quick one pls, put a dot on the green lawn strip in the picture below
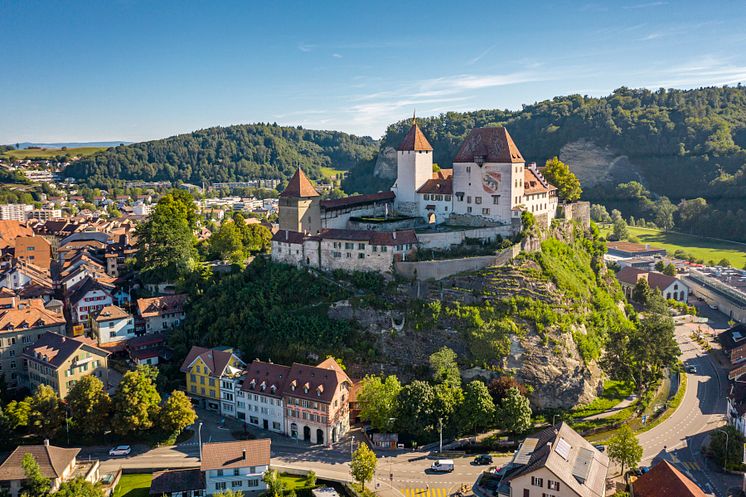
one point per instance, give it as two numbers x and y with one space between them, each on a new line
294 482
330 172
613 393
134 485
36 153
698 246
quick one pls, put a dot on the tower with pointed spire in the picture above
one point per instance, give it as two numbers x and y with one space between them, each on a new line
299 206
414 166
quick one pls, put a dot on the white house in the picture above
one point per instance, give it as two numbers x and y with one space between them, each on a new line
87 298
235 465
113 324
669 286
259 398
162 313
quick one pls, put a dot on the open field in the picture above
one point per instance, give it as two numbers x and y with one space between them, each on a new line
330 172
698 246
46 153
134 485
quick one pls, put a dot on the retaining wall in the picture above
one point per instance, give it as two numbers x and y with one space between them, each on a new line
437 270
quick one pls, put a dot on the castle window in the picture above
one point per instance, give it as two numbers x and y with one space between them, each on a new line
468 169
477 200
496 199
448 198
468 209
375 248
361 246
337 254
427 196
485 211
468 199
349 255
349 245
460 196
361 256
384 249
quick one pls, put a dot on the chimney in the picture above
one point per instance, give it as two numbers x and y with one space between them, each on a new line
46 442
244 454
394 235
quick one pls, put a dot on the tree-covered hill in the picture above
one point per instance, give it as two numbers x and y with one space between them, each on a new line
234 153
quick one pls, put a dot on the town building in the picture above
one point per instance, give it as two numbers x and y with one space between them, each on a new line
178 483
628 250
56 463
664 480
44 214
9 231
148 350
86 299
161 313
722 288
22 322
113 324
259 398
15 212
669 286
237 466
205 369
34 250
27 277
557 461
488 188
60 361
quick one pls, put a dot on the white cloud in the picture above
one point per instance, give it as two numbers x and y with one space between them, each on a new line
645 5
337 55
306 47
706 71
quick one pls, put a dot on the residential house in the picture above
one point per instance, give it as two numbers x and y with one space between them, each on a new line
161 313
316 402
26 276
557 461
113 324
117 253
150 349
178 483
35 250
22 322
669 286
205 371
259 398
10 230
86 299
235 465
56 464
628 250
60 361
664 480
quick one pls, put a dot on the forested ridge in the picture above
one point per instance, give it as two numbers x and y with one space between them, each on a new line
233 153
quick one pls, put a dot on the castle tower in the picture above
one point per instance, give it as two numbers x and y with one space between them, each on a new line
414 166
299 206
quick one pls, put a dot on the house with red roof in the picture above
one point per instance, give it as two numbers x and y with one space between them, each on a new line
669 286
664 480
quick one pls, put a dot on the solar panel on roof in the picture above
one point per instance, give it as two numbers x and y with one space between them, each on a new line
582 467
524 452
563 449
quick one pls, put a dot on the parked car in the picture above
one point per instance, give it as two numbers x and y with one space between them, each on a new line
483 460
691 369
442 466
120 450
600 448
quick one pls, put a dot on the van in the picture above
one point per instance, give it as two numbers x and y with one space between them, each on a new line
442 466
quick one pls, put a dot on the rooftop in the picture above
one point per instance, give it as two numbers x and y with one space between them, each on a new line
52 461
239 454
664 480
299 186
489 145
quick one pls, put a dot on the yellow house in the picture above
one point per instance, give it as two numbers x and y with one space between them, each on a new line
210 374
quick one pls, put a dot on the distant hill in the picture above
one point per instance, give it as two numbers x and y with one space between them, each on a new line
233 153
48 153
24 145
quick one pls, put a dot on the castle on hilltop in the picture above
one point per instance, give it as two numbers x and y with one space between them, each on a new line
481 197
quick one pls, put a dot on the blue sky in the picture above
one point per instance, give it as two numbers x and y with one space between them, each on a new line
135 70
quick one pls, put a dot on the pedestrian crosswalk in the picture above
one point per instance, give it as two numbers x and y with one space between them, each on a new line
426 492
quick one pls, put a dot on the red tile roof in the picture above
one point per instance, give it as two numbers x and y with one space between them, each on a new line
240 454
10 230
533 184
54 349
318 383
288 236
492 144
356 200
52 461
216 360
299 186
664 480
261 376
415 140
442 186
659 281
159 305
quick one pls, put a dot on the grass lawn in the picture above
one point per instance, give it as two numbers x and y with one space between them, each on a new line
330 172
698 246
134 485
293 482
614 392
51 152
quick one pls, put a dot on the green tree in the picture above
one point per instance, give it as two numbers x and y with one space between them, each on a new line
377 400
90 405
729 456
444 367
448 400
415 407
558 173
79 487
35 484
226 243
619 228
275 486
528 221
478 409
600 214
17 412
311 479
515 412
664 211
724 262
47 415
136 402
624 449
660 266
232 493
166 241
363 464
177 413
669 270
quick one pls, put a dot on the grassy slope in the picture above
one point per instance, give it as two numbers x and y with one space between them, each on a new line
134 485
330 172
51 152
700 247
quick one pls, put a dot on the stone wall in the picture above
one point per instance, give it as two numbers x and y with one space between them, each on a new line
437 270
355 223
577 211
447 239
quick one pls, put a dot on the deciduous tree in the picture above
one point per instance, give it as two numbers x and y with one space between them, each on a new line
177 413
89 405
415 407
624 449
35 485
136 402
363 464
377 399
515 412
558 173
47 415
478 410
275 486
444 367
79 487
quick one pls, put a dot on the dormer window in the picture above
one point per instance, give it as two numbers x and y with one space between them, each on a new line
273 389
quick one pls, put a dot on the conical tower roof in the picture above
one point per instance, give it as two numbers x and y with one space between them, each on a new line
415 140
299 186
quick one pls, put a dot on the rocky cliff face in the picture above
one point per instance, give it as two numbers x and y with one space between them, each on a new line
544 357
385 167
594 165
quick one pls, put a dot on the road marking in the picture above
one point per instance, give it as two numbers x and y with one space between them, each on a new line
425 492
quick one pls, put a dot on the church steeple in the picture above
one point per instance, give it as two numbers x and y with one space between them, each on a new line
299 186
415 140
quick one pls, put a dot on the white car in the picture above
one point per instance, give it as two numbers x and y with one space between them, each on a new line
120 450
442 466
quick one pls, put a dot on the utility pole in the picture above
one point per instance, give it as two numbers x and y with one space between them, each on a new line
725 458
440 423
199 440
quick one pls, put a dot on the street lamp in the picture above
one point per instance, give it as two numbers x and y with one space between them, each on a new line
725 458
440 423
199 440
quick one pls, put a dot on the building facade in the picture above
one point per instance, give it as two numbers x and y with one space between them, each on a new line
113 324
237 466
161 313
205 370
